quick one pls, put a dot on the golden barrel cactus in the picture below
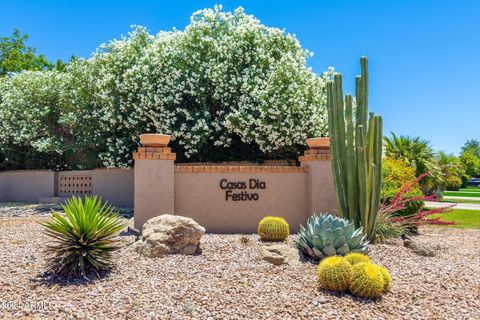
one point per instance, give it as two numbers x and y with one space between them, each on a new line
367 280
334 273
354 258
273 229
387 278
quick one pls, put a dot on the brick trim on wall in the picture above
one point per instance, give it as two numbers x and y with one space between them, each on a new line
239 169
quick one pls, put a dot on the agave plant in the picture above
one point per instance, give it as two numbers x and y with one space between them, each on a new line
327 235
83 237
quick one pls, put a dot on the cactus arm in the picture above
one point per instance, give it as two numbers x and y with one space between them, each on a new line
375 199
340 137
364 66
350 162
334 148
361 171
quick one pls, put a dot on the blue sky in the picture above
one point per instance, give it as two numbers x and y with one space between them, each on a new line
424 55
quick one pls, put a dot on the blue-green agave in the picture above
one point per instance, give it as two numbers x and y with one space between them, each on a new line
327 235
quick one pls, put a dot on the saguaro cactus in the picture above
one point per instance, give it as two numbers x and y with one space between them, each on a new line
356 151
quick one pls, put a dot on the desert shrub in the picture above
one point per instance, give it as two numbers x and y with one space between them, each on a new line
225 88
396 173
83 238
326 235
453 183
273 229
392 223
387 228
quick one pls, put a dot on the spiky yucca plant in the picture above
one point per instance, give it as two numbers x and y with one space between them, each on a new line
327 235
83 238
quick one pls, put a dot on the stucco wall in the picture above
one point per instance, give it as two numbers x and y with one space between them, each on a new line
113 185
200 196
154 190
26 185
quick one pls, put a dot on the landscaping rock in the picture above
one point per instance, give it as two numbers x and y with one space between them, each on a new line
279 254
169 234
418 248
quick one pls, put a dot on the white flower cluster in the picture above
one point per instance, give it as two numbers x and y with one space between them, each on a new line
225 75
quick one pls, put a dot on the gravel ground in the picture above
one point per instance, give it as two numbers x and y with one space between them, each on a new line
228 281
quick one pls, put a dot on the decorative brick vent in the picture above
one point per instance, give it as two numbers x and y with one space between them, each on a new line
76 184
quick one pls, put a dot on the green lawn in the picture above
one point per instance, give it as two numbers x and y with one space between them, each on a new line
466 200
462 194
471 189
466 219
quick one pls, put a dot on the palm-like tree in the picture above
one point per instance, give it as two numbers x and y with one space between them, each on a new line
450 167
417 153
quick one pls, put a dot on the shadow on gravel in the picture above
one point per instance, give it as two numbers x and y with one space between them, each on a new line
340 295
50 280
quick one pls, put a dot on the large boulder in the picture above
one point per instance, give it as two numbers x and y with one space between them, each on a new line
169 234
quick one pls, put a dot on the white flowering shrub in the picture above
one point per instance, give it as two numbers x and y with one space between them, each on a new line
225 88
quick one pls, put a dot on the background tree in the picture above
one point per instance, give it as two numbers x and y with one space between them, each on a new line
417 153
472 146
451 170
16 56
471 163
225 88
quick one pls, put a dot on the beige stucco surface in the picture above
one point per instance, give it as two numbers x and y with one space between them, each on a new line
26 185
199 196
113 185
321 189
154 190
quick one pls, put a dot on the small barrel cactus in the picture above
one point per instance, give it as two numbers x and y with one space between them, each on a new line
326 235
273 229
355 258
367 280
334 273
387 278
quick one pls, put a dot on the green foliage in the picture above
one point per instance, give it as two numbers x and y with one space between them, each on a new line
472 146
327 235
367 280
36 124
451 169
273 229
15 56
471 163
225 88
453 183
354 258
334 273
357 152
388 229
83 238
397 173
417 153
